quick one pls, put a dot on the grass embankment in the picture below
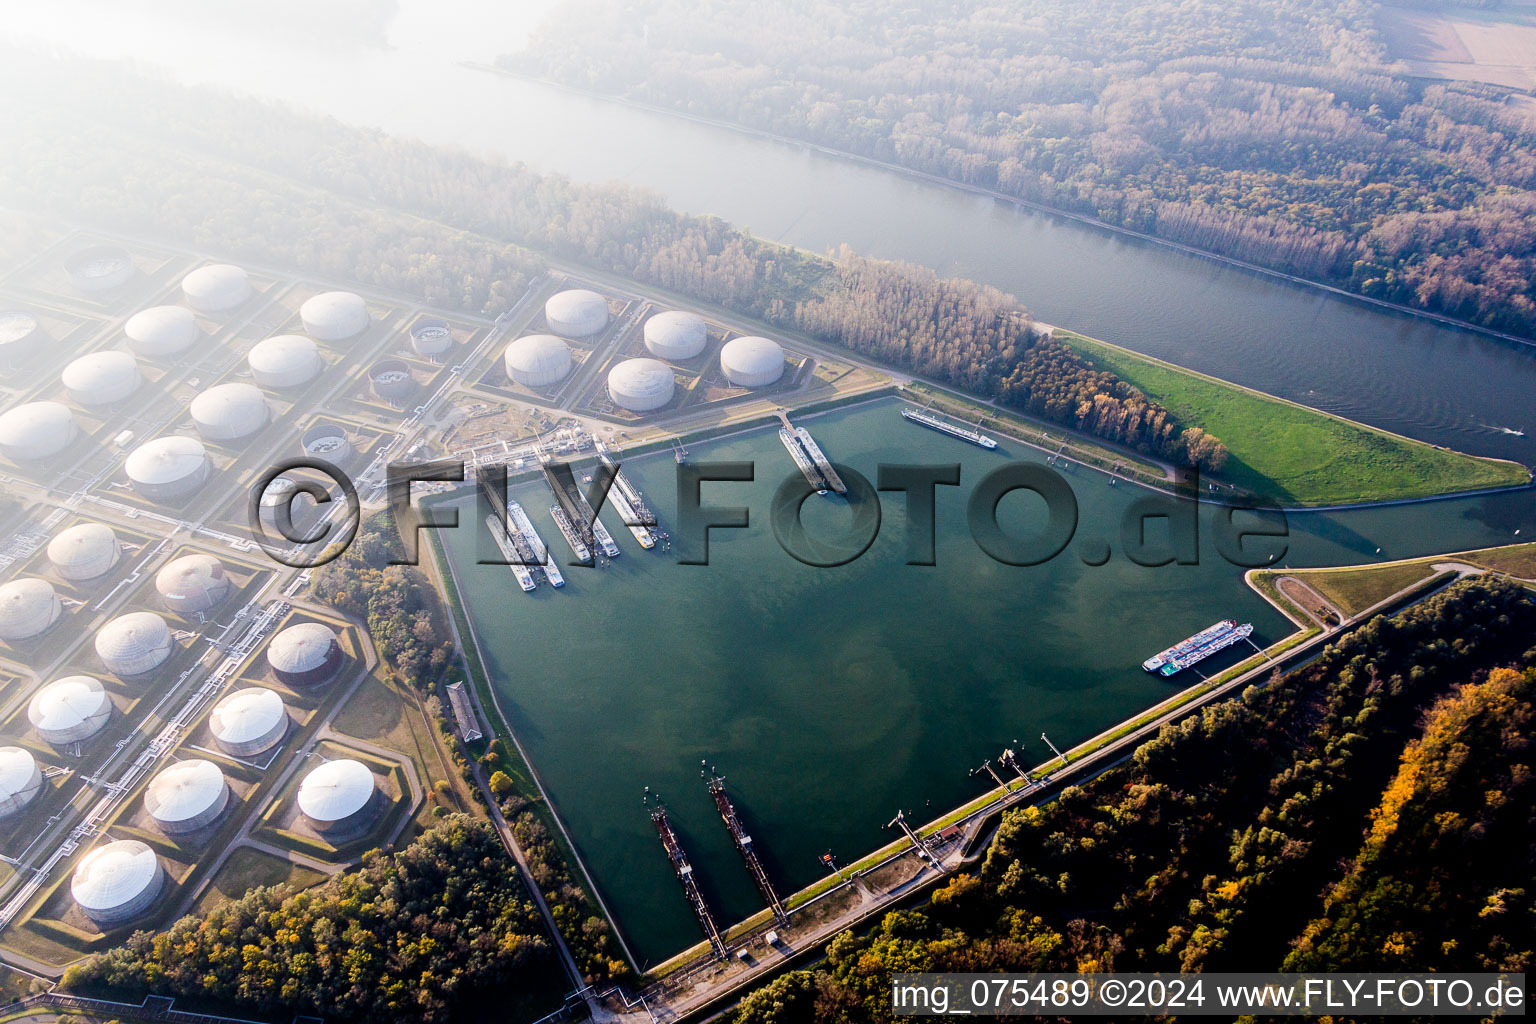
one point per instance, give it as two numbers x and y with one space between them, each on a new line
1296 455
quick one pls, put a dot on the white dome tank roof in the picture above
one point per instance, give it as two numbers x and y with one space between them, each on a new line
70 709
751 361
675 335
576 312
334 316
303 648
641 385
161 331
285 361
101 378
117 882
227 412
20 334
192 584
37 430
538 360
249 721
20 780
186 796
216 287
168 467
27 607
135 643
336 790
84 551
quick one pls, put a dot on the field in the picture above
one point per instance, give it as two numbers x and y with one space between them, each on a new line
1296 455
1497 47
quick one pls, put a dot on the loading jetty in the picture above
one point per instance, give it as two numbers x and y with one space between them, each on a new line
539 551
589 529
516 561
744 846
563 521
630 503
814 465
684 871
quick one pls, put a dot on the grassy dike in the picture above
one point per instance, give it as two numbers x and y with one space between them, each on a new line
1297 455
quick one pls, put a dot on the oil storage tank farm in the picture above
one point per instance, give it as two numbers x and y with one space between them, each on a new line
284 361
538 360
675 335
751 361
576 313
20 780
28 607
641 385
69 710
249 722
84 551
21 337
335 316
36 431
339 798
431 338
187 796
161 331
307 654
169 468
228 412
192 585
99 268
101 378
118 882
216 288
134 644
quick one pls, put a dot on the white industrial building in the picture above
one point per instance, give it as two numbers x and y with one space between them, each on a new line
751 361
69 710
134 644
193 584
538 360
102 378
641 385
118 882
84 551
339 798
285 361
20 780
306 654
161 331
28 606
675 335
36 430
335 316
249 722
186 796
228 412
168 468
216 288
576 313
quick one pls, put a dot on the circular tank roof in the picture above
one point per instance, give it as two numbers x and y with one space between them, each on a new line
336 790
115 875
192 583
285 360
185 792
27 607
431 336
538 360
751 361
226 412
675 335
301 648
99 267
166 460
217 287
36 430
577 312
134 643
101 378
16 325
334 316
246 716
161 330
70 708
641 385
84 551
20 779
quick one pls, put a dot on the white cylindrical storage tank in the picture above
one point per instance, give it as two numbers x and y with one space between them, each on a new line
36 430
101 378
216 288
187 796
675 335
249 722
334 316
538 360
641 385
134 644
28 606
69 710
576 312
21 337
305 655
20 780
161 331
193 584
751 361
84 551
118 882
168 468
285 361
431 337
228 412
338 797
99 268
